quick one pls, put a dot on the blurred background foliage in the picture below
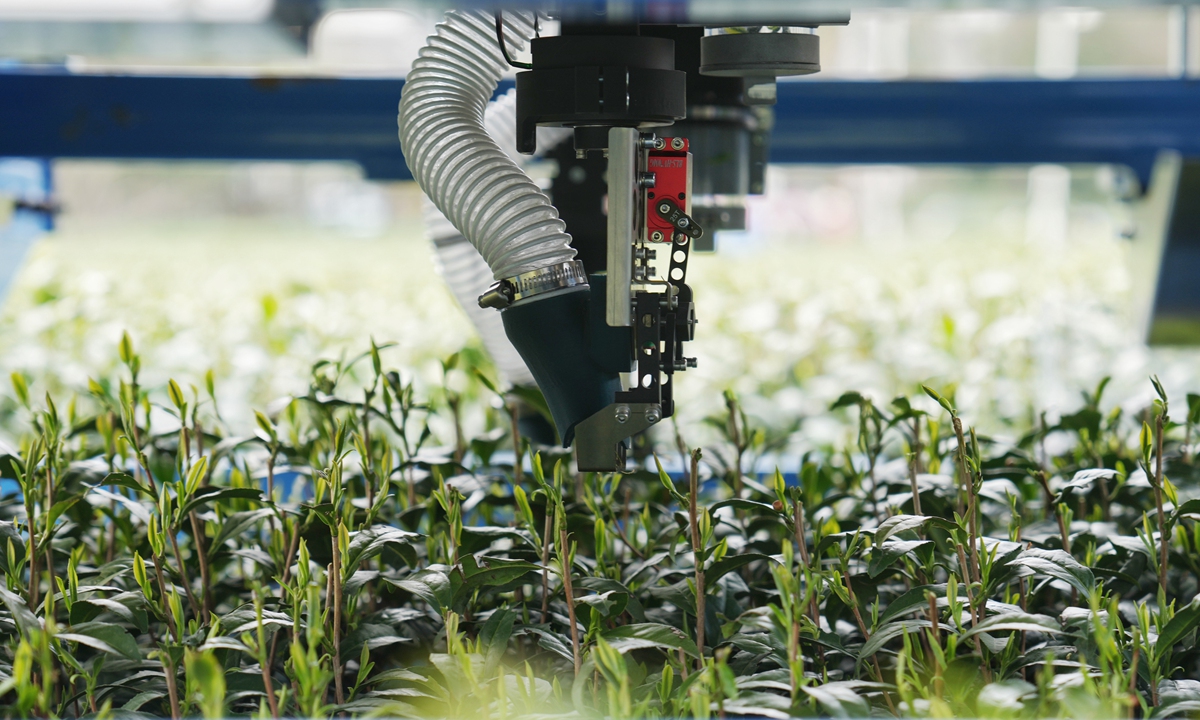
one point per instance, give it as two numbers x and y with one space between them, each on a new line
1012 284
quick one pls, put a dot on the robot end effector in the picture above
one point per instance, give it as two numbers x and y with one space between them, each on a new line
582 323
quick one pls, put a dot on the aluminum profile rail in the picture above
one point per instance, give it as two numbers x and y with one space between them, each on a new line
622 219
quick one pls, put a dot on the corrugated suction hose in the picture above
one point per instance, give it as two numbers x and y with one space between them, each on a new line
463 268
498 208
491 201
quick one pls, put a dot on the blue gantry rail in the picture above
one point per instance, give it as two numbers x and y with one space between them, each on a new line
49 113
56 114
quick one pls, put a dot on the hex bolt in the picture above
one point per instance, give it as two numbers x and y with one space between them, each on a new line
682 222
676 143
622 414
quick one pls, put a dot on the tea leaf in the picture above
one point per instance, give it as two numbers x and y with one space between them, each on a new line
1018 621
649 635
1177 628
104 637
1058 564
21 388
939 400
25 620
883 556
219 495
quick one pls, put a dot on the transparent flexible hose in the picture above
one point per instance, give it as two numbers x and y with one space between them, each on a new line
461 265
471 180
468 276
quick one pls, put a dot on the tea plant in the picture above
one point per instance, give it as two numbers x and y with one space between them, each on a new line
341 561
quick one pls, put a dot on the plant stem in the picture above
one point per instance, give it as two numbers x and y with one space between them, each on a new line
183 575
973 535
172 688
802 548
736 433
960 457
569 591
366 437
50 504
269 686
285 577
460 441
697 550
412 487
336 583
862 627
1133 664
976 616
914 468
35 580
1164 536
202 558
546 561
936 639
162 589
515 431
112 526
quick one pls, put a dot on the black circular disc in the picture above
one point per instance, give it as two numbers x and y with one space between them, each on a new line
750 54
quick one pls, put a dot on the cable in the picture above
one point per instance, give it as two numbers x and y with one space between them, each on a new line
503 47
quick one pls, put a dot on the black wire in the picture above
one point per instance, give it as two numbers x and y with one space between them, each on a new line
503 47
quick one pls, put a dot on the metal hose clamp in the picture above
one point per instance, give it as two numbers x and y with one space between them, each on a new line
535 282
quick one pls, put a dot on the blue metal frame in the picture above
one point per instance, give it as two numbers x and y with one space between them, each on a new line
56 114
1125 122
27 180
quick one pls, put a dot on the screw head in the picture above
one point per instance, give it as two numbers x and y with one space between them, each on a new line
664 208
659 143
652 416
656 236
622 413
677 143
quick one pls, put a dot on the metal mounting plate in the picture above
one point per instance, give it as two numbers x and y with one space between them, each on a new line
600 439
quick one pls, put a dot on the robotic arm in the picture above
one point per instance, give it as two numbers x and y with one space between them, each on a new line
580 324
